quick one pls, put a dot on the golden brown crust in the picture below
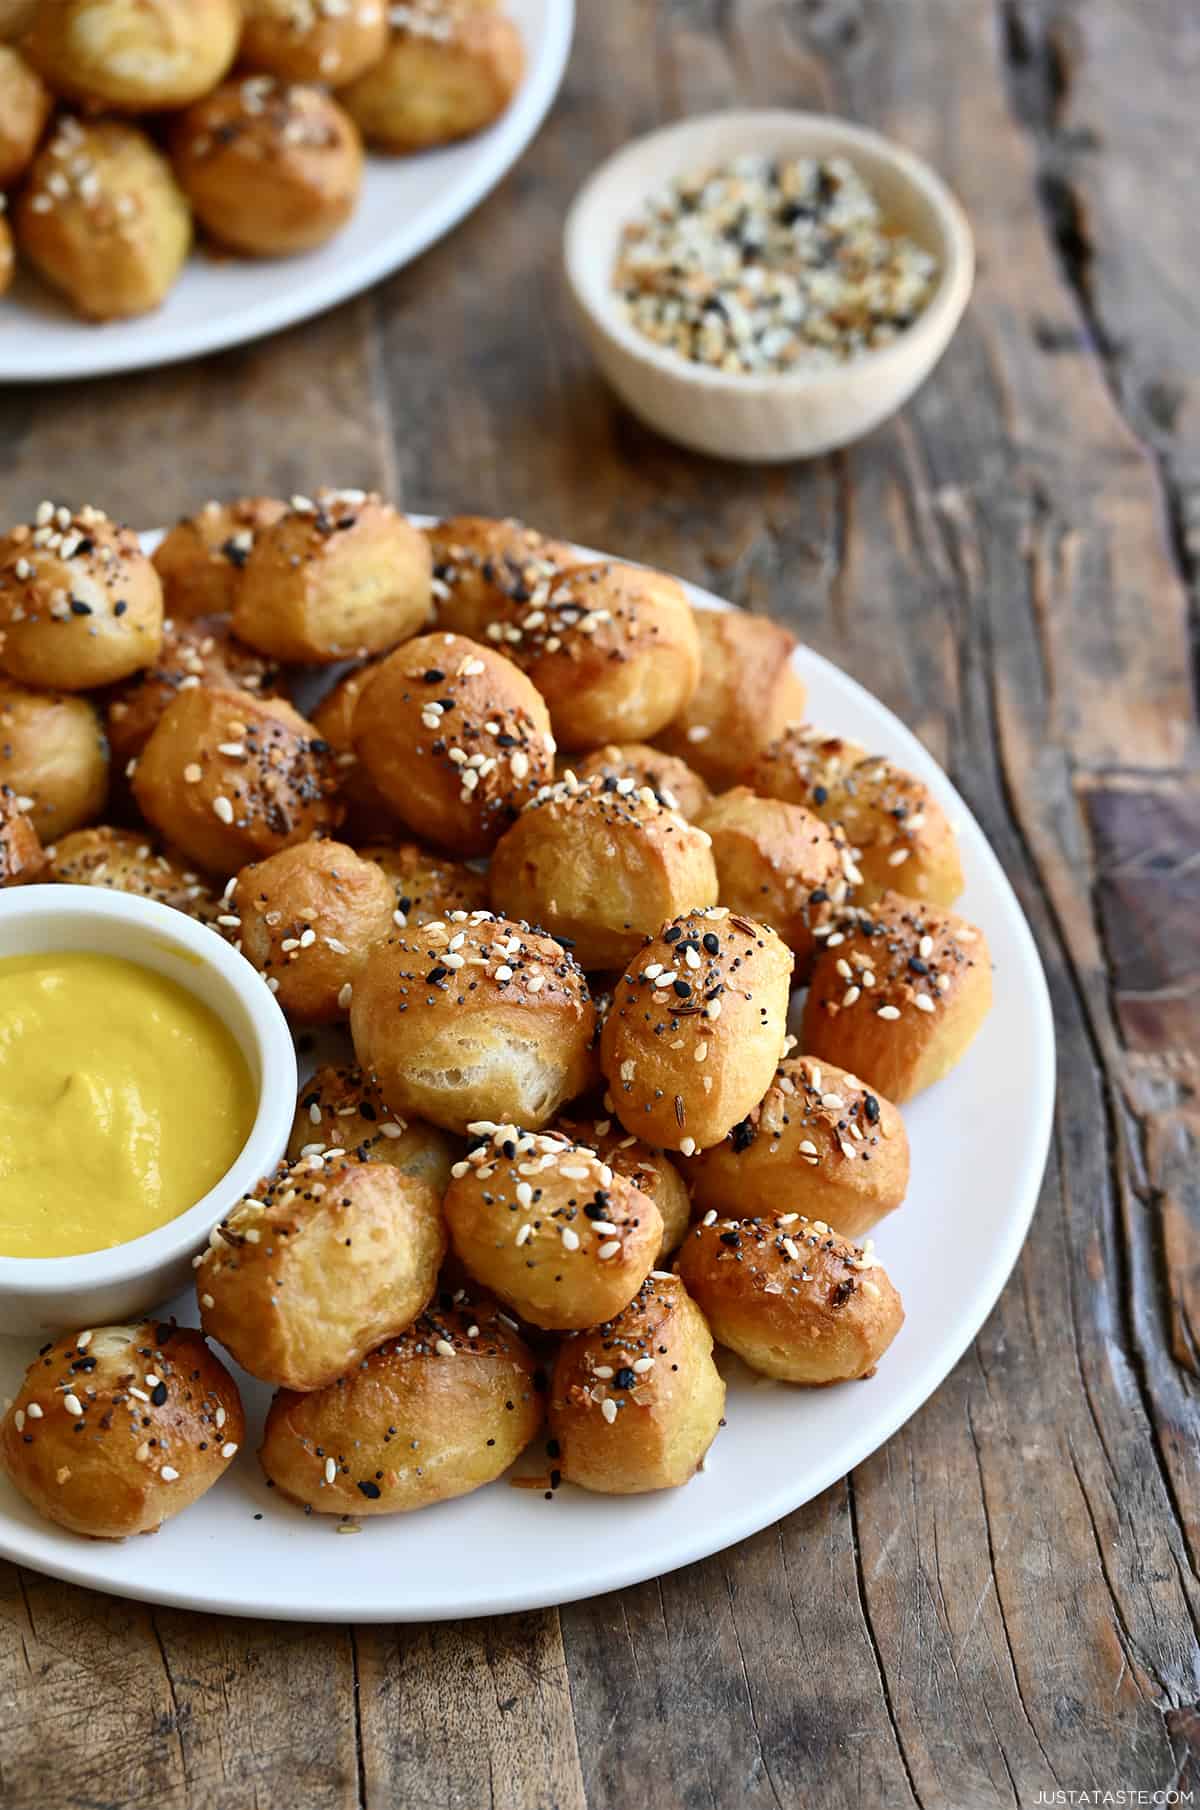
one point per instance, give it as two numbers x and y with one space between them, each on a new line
270 168
103 220
342 1109
53 754
7 255
635 1404
818 1139
341 575
309 41
368 813
80 604
22 857
200 559
801 765
427 886
25 104
665 773
601 864
327 1259
696 1027
456 739
549 1227
448 74
474 1017
127 861
308 918
898 994
199 651
134 56
230 778
778 862
749 691
438 1412
487 571
116 1428
650 1170
792 1299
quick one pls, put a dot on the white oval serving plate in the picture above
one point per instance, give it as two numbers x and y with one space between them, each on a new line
979 1142
406 204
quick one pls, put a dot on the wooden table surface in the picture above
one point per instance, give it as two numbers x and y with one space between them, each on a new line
1004 1600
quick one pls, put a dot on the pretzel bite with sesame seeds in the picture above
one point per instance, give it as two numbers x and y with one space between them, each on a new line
779 863
550 1227
427 886
450 68
488 571
648 1169
801 766
435 1413
636 1403
325 1260
456 739
117 1428
474 1017
343 1109
200 559
25 104
127 861
340 576
819 1139
54 757
368 813
790 1297
332 41
601 864
103 220
80 604
682 789
230 778
134 56
199 651
748 692
696 1028
271 168
22 857
308 918
898 994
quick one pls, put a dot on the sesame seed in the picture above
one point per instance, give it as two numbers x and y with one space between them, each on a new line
228 1449
888 1012
710 1218
570 1238
330 1470
444 1348
524 1233
34 1411
608 1408
923 1002
169 1474
72 1404
223 809
608 1249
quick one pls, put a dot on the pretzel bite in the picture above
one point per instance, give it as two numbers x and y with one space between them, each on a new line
748 692
22 857
696 1027
230 778
802 765
471 1018
199 651
899 996
117 1428
636 1404
433 1414
312 41
340 575
269 168
103 220
201 558
652 1173
780 863
80 604
427 886
25 105
368 812
550 1227
601 866
125 861
666 774
456 739
342 1109
448 71
326 1260
488 571
134 56
7 255
54 756
818 1139
307 918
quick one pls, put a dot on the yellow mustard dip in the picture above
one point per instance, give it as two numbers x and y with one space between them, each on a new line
123 1099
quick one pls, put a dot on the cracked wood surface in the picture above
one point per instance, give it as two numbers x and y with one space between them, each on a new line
1005 1599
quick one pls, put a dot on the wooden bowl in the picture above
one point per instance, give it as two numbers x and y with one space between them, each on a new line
763 417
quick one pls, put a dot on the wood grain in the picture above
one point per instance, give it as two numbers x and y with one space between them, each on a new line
1005 1599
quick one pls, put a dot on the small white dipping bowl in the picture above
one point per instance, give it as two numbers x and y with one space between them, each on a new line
763 417
54 1294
